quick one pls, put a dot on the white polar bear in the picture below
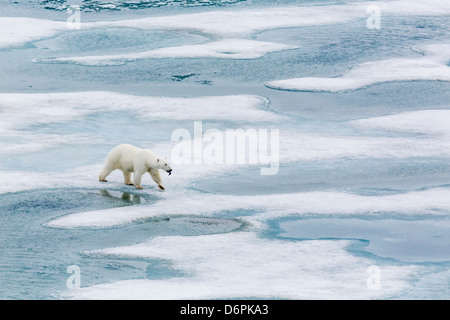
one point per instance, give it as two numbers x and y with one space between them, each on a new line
130 159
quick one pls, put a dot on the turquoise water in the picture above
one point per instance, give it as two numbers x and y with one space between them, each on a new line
51 166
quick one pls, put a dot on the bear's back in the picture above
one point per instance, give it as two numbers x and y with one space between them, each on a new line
123 156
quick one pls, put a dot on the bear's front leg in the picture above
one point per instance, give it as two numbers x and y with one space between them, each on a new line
156 177
137 180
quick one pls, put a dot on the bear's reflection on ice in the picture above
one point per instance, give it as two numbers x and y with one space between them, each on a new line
126 197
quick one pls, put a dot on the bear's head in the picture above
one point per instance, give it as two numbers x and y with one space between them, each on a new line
163 165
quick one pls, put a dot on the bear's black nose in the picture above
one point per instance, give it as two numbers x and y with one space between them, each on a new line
169 171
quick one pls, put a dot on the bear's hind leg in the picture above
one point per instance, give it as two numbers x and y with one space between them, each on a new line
156 177
105 172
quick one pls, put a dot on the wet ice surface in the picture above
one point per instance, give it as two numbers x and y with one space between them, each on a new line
412 241
364 164
34 258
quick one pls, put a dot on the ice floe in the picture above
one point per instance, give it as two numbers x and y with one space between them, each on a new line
30 180
431 66
245 22
430 122
16 31
298 147
229 266
225 23
432 202
50 108
223 49
44 108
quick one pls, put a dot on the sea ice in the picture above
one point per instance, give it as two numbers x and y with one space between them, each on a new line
51 108
229 266
223 49
432 202
429 122
432 66
16 31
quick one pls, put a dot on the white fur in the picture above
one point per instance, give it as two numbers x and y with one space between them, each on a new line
130 159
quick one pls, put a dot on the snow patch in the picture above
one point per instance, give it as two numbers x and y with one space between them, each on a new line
430 122
223 49
229 266
432 66
20 111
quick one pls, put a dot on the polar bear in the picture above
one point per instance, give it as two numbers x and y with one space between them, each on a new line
130 159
